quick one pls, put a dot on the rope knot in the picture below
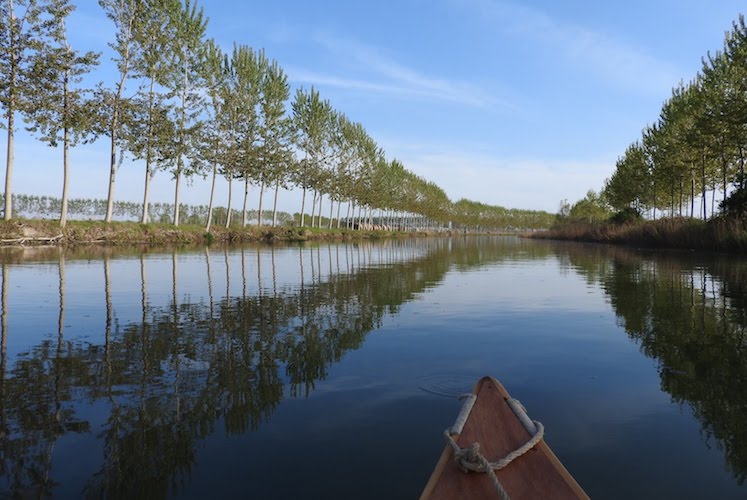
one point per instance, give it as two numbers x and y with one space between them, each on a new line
470 459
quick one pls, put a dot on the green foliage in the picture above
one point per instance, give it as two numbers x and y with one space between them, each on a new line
178 103
592 208
626 216
735 205
697 145
23 32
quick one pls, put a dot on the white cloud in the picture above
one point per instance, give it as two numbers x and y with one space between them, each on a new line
631 67
375 72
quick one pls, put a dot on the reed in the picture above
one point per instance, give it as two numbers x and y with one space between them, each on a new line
717 234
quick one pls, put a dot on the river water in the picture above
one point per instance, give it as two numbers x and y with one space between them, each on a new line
330 371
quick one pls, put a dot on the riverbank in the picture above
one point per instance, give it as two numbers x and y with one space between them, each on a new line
720 234
48 232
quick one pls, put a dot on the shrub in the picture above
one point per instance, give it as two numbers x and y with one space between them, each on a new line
626 216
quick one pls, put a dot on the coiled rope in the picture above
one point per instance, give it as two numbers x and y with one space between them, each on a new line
470 459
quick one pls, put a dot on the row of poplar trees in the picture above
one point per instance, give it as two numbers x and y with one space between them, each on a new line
196 111
697 146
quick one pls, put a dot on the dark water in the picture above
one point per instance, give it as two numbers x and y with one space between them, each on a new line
325 371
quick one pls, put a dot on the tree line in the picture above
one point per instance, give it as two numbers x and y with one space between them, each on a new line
695 151
41 206
199 111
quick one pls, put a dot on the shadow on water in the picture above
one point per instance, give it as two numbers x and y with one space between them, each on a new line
688 312
158 385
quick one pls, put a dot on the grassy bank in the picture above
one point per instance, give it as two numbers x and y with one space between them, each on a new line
47 232
719 234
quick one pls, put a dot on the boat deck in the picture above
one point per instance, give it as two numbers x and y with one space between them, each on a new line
493 424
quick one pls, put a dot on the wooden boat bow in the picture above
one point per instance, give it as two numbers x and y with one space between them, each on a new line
537 474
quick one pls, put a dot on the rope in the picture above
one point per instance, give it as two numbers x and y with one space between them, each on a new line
470 459
469 402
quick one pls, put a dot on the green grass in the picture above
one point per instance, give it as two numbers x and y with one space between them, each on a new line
28 231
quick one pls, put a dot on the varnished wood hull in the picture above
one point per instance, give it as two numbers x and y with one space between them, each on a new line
536 475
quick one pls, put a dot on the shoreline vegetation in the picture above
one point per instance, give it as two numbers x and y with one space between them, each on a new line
171 100
720 234
35 232
28 232
683 183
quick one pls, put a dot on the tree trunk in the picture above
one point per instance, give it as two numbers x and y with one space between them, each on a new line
113 128
713 199
230 193
176 195
331 208
212 196
148 154
112 170
146 194
703 175
692 194
65 150
275 204
180 153
65 175
339 214
11 110
319 215
261 195
244 220
682 195
303 206
725 166
313 208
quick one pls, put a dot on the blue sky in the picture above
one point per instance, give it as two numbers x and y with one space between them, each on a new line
518 104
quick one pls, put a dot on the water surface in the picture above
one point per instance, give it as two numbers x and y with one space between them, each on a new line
329 371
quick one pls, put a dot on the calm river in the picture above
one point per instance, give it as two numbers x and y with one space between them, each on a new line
329 371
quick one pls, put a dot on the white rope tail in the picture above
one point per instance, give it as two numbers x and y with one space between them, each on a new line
470 459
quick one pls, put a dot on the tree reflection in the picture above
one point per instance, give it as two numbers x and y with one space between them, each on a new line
165 381
691 318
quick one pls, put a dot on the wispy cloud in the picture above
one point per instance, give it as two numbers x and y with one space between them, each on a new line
624 64
368 69
515 182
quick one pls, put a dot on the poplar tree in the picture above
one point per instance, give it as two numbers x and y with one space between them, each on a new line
214 135
249 67
276 133
311 120
21 33
59 111
155 65
189 24
125 14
